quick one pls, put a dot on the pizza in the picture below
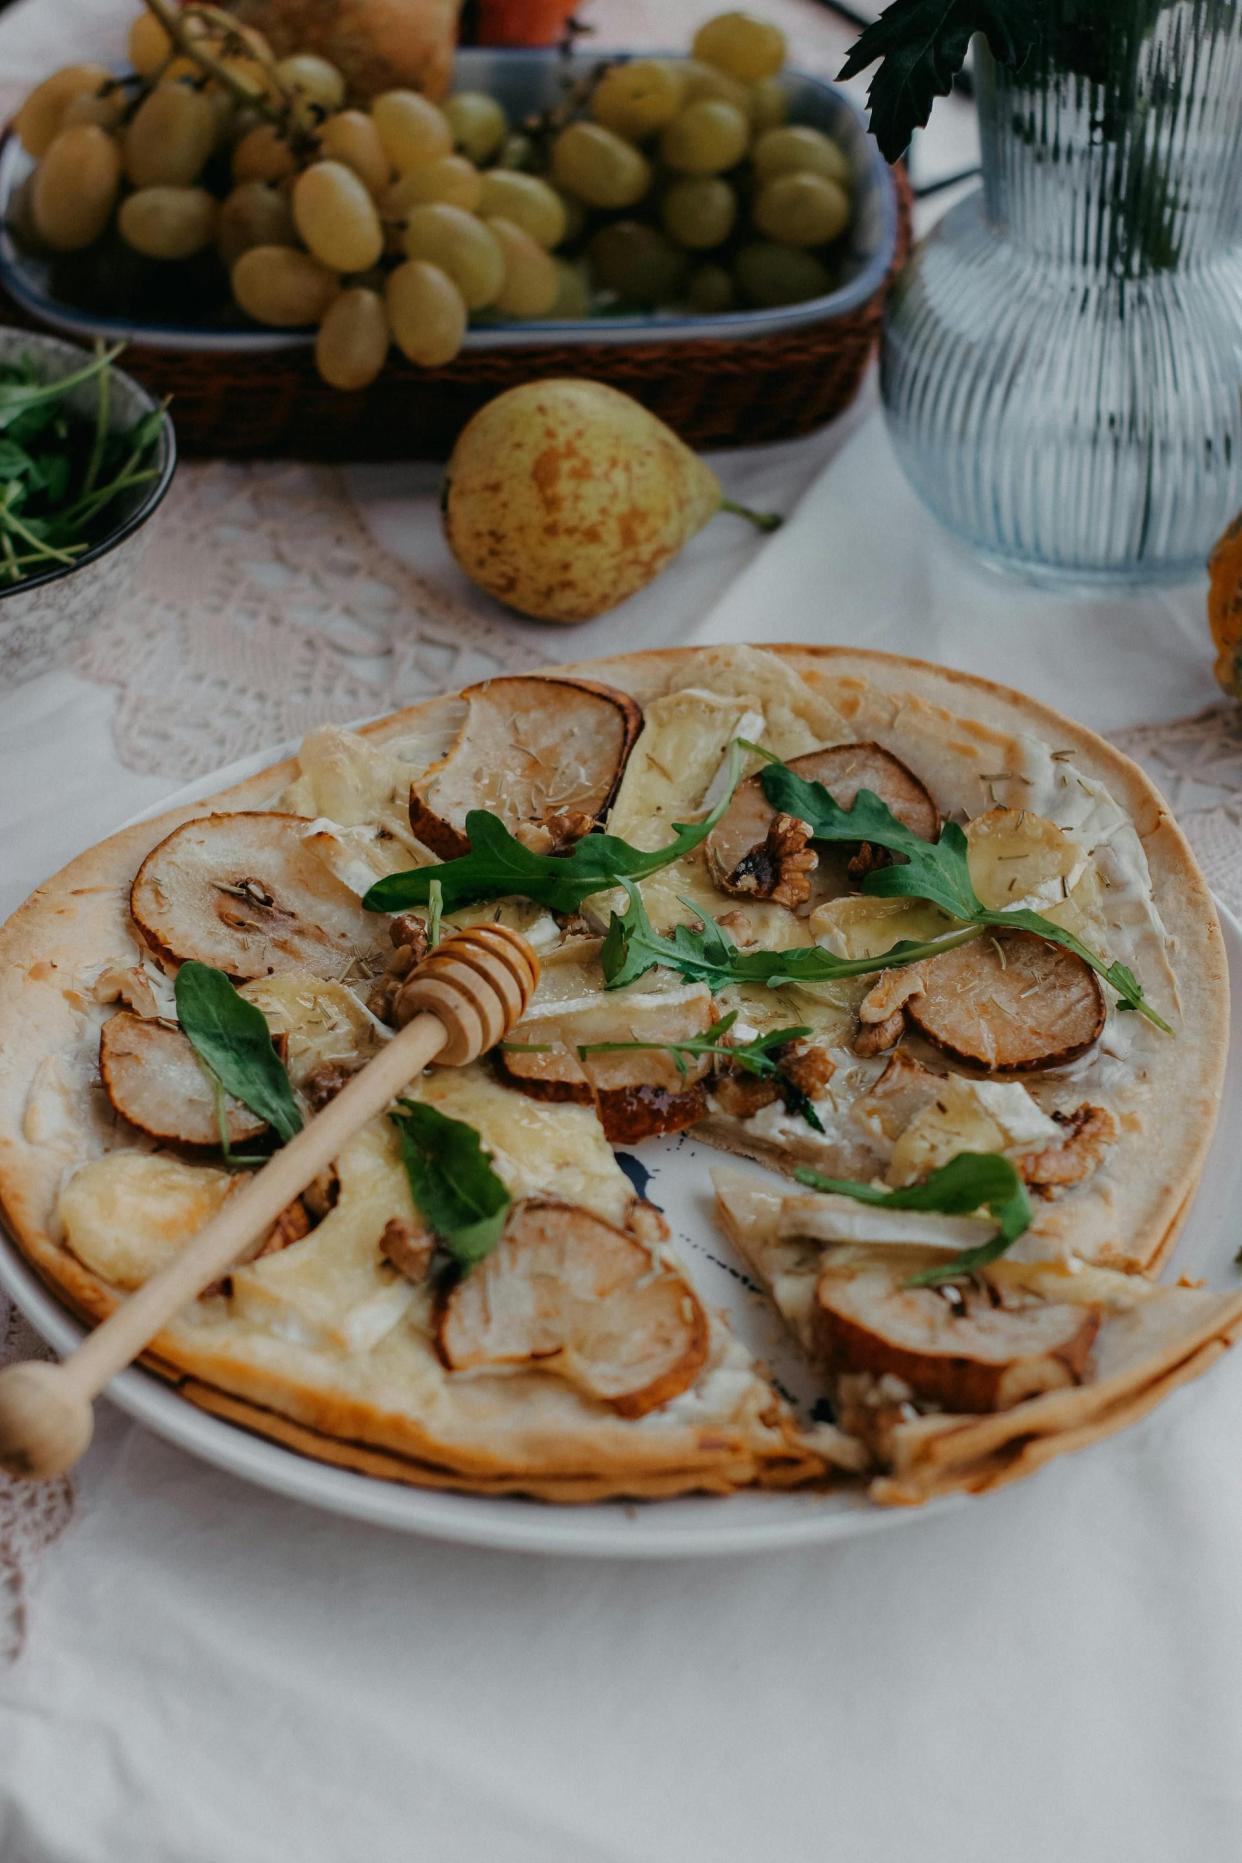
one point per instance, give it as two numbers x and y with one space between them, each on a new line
933 961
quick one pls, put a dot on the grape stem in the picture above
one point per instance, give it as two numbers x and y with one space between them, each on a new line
177 25
762 520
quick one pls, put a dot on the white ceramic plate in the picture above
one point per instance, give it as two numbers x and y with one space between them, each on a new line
699 1527
528 81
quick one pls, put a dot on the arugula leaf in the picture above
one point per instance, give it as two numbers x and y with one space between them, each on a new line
632 947
498 865
16 462
231 1038
59 473
451 1180
20 396
757 1056
921 46
934 870
973 1180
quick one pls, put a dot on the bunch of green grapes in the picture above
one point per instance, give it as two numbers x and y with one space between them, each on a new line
659 183
701 193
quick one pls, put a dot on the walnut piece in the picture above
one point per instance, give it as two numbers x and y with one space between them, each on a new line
322 1192
866 859
810 1068
556 832
1088 1131
408 1249
742 1094
410 946
324 1082
881 1015
407 928
779 868
291 1225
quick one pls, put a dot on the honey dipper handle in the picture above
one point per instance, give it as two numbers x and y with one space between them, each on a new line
461 1000
45 1410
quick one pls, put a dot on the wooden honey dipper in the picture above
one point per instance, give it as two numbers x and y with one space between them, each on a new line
462 999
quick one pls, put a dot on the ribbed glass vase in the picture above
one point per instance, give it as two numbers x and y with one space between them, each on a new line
1062 360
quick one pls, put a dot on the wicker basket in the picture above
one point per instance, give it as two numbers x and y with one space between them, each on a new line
714 394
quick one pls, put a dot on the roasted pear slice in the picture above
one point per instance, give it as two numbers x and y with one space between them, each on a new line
1009 1002
245 893
155 1080
964 1345
545 755
741 852
567 1292
638 1093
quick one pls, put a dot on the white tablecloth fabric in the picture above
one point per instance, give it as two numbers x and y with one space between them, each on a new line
214 1675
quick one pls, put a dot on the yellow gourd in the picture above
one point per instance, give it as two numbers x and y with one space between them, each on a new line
1225 607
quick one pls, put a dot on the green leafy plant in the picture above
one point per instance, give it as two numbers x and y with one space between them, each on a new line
760 1056
452 1181
973 1180
938 871
231 1038
59 473
920 47
708 955
498 865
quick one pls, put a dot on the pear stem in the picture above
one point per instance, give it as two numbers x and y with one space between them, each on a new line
762 520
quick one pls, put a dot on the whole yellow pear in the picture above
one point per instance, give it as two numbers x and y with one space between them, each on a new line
563 497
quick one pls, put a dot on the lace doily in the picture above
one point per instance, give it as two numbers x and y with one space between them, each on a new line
263 608
1197 764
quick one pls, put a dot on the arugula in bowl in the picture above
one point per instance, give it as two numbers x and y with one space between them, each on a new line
67 476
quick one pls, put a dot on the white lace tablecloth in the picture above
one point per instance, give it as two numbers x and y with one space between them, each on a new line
214 1675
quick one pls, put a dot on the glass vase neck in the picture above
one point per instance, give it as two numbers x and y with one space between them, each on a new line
1123 158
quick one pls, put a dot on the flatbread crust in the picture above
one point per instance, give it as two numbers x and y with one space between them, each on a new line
79 919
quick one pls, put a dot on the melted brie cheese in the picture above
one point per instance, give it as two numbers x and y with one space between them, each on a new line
1019 859
538 1147
798 716
321 1020
840 1219
129 1213
678 757
970 1115
361 855
861 926
349 779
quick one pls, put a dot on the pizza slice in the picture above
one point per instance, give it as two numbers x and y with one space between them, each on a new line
981 1377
